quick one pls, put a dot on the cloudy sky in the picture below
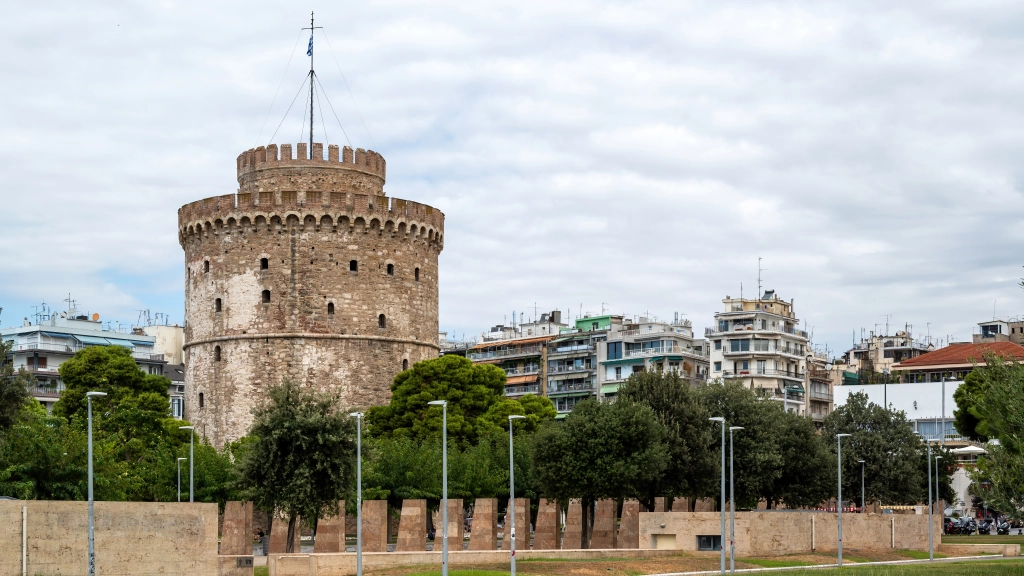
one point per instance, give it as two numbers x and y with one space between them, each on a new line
635 156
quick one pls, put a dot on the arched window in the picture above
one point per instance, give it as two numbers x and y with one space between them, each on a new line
417 274
266 296
330 308
353 266
216 353
200 400
216 305
391 269
405 364
264 263
206 265
382 322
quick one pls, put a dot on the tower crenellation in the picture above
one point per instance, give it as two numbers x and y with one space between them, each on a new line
309 272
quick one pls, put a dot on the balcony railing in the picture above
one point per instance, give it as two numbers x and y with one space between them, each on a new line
824 396
564 369
147 356
750 328
521 371
559 388
570 349
44 369
520 390
45 391
49 347
767 372
505 353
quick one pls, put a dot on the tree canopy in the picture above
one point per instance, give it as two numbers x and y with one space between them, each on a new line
301 461
1000 412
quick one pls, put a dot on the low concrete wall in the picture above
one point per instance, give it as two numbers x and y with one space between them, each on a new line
978 549
345 564
138 538
776 533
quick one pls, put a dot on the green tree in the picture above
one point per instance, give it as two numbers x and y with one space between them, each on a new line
1000 411
808 469
600 451
894 468
42 457
692 466
302 461
13 389
757 460
537 410
470 389
967 396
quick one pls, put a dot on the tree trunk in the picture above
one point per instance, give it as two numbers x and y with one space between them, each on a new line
289 548
584 524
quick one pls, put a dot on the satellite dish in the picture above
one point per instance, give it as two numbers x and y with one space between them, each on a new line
63 314
95 317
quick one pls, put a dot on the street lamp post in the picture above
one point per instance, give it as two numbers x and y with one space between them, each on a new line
179 477
92 523
721 541
931 549
861 486
839 507
359 492
444 485
937 458
191 461
512 493
732 503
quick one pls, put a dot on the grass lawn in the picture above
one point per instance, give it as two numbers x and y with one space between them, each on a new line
261 571
997 568
991 539
919 554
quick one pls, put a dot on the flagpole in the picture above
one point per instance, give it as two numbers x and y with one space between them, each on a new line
312 78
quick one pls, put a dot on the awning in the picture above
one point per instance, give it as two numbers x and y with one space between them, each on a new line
525 379
570 376
117 342
609 388
624 360
667 357
56 334
92 340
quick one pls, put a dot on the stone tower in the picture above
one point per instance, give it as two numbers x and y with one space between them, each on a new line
310 273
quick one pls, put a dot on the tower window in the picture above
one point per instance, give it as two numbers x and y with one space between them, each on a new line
200 400
405 364
391 269
216 353
330 308
417 274
216 305
382 322
353 266
206 265
266 296
264 263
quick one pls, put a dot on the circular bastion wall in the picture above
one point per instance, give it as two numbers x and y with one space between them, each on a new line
310 273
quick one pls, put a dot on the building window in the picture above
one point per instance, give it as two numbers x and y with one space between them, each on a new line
614 350
417 273
266 296
353 266
723 325
739 345
382 322
618 372
718 366
206 265
177 407
718 344
764 324
216 305
330 308
264 263
391 269
405 364
216 353
200 400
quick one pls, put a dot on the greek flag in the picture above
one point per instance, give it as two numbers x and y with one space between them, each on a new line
309 51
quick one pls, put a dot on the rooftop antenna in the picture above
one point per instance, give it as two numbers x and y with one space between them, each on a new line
994 308
741 290
887 318
759 269
312 78
603 304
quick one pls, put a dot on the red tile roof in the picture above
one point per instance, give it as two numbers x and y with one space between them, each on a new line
964 354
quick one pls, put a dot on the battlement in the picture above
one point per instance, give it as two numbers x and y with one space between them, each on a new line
272 156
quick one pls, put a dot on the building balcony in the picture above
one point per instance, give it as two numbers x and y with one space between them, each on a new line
524 371
818 416
766 373
822 396
70 348
748 328
45 391
568 369
506 353
577 349
558 388
520 390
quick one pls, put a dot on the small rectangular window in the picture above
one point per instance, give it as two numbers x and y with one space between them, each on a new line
718 344
353 266
718 366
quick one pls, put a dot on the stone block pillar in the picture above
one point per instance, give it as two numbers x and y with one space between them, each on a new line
547 532
456 530
330 532
604 525
483 533
412 527
522 511
629 525
660 504
573 538
236 534
279 535
375 525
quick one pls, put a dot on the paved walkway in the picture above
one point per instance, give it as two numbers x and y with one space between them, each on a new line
845 564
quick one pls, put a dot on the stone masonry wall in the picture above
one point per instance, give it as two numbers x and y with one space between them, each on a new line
306 221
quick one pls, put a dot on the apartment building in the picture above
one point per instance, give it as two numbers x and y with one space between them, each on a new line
645 344
872 359
758 341
819 388
572 361
1011 330
42 346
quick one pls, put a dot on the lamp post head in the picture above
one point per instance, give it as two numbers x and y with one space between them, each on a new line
938 457
186 427
356 414
843 435
731 428
95 394
719 419
438 403
515 417
180 459
861 461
